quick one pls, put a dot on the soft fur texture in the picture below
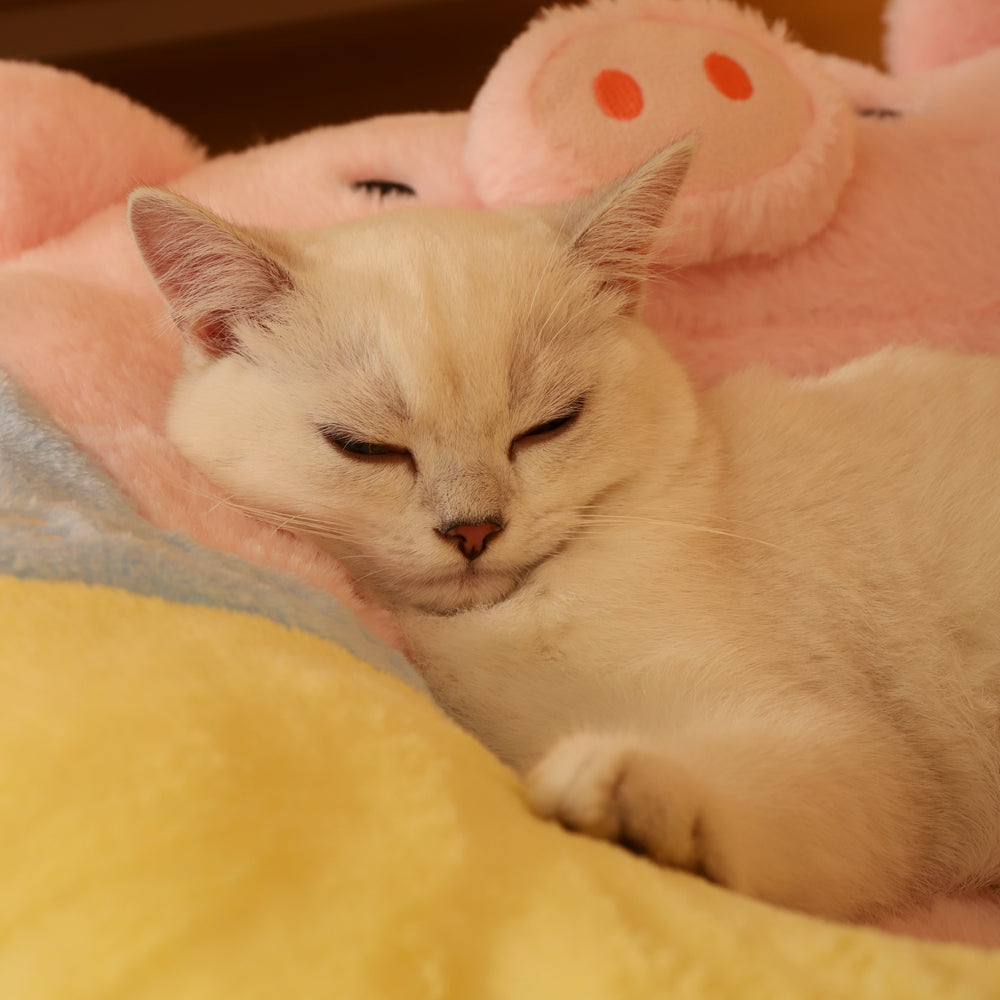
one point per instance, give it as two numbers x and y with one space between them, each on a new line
73 147
927 34
904 257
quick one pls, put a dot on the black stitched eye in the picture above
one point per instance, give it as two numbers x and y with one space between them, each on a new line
356 448
878 113
384 188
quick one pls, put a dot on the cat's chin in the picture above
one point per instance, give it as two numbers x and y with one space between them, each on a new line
451 593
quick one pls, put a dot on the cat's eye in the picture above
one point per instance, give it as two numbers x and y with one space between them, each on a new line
552 426
355 447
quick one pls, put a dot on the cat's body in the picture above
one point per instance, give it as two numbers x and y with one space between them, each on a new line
754 631
817 620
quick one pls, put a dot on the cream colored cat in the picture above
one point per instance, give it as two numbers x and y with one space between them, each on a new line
753 632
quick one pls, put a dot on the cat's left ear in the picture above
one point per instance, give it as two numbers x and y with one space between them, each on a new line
615 229
215 276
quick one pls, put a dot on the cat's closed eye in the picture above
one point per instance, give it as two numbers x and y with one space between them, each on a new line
354 447
550 427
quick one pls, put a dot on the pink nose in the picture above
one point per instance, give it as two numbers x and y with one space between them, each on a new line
472 538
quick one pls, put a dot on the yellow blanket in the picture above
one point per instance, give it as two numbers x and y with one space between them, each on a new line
200 803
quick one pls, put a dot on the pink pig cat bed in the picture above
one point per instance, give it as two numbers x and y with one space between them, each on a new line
219 777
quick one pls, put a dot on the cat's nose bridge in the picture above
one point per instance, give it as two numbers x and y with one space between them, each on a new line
468 496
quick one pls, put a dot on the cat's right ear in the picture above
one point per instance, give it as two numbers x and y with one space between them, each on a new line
215 276
614 231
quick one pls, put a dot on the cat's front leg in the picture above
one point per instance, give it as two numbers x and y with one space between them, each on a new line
805 823
612 788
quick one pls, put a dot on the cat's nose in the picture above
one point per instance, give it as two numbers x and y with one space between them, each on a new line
472 538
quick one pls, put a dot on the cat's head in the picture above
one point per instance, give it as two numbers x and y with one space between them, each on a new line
443 399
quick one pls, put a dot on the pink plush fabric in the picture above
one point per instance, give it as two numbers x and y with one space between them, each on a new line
926 34
837 234
908 256
71 147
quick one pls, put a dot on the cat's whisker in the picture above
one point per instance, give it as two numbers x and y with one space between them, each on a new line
653 513
220 501
282 520
683 525
278 519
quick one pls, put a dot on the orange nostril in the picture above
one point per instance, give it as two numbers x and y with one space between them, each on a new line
618 95
728 77
472 538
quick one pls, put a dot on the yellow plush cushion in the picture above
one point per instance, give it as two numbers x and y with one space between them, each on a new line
201 804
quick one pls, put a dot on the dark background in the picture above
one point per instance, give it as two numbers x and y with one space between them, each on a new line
236 89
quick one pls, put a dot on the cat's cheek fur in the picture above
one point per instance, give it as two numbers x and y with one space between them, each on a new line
230 420
249 435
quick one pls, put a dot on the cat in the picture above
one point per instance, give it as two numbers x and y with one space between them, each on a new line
752 631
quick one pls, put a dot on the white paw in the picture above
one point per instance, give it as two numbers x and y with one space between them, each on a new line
577 782
613 788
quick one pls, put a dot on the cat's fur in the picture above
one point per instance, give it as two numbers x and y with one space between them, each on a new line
754 631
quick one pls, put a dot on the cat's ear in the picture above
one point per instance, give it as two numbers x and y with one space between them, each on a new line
615 229
215 276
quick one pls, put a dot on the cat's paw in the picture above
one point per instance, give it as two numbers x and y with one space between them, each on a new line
770 815
613 788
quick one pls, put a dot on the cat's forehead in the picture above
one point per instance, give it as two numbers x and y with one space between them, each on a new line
456 279
467 313
418 248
